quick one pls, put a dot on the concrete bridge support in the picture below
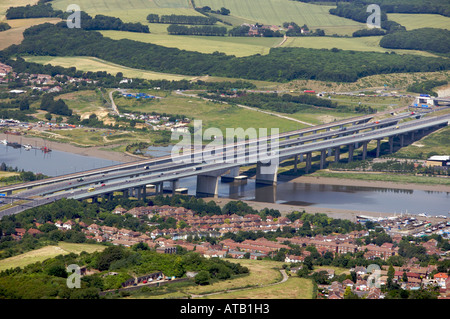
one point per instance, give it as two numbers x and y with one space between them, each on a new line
323 158
295 163
266 173
174 185
391 144
364 153
351 149
378 148
337 154
308 162
207 185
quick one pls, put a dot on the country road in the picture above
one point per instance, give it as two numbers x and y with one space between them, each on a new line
113 104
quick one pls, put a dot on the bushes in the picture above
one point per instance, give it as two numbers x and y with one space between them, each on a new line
427 39
281 64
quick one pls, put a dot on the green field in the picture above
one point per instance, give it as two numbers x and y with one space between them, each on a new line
94 64
212 114
129 10
47 252
5 4
416 21
238 46
356 44
278 11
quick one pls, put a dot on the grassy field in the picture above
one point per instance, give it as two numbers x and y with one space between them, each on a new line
238 46
437 142
129 10
15 34
94 64
294 288
385 177
212 114
44 253
5 4
393 81
278 11
356 44
261 283
416 21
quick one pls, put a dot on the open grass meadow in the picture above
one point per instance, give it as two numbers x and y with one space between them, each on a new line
261 283
5 4
212 114
47 252
93 64
237 46
276 12
130 10
437 143
15 34
356 44
417 21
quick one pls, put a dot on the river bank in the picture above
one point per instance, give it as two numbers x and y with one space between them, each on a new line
94 151
363 183
288 208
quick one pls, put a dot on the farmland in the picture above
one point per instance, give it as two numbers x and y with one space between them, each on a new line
46 252
279 11
238 46
416 21
129 10
356 44
94 64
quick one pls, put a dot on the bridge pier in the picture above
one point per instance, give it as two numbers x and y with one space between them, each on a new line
364 153
295 163
207 185
337 153
378 148
391 144
308 162
175 184
323 158
351 149
266 173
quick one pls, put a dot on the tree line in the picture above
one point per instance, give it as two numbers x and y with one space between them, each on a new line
425 39
180 19
280 65
287 103
100 22
206 30
358 12
399 6
426 87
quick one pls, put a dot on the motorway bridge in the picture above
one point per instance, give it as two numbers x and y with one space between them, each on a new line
327 140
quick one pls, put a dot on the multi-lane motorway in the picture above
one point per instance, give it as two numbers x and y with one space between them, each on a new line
136 175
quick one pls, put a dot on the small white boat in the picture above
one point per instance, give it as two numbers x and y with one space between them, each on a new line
4 142
27 147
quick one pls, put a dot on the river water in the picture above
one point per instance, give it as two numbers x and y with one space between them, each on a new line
328 196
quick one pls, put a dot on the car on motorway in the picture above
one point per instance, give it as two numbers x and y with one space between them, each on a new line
91 189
